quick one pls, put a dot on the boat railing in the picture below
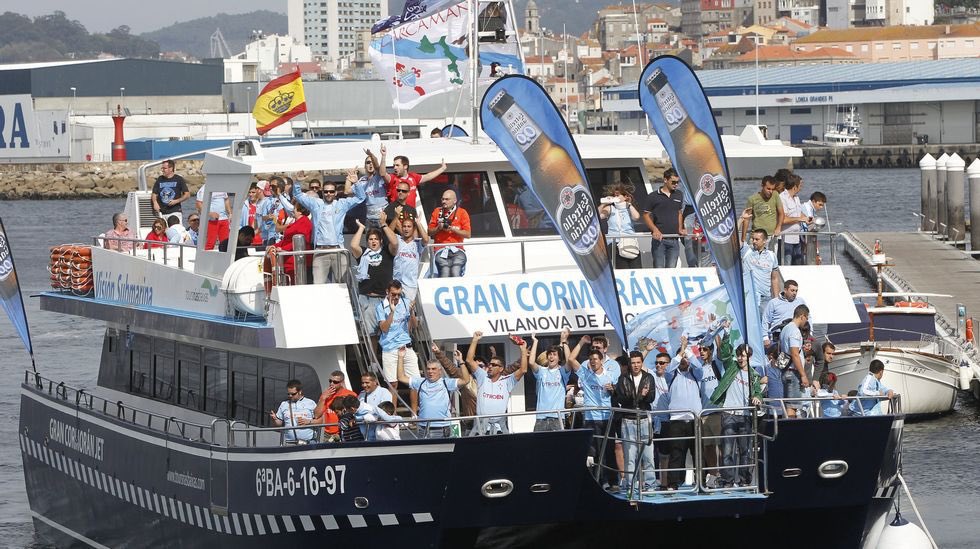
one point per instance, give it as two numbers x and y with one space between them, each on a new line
893 340
154 250
815 242
816 407
82 399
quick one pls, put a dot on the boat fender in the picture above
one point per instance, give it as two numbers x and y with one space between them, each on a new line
966 376
902 534
969 329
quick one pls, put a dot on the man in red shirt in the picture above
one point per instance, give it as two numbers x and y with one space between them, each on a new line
413 179
449 224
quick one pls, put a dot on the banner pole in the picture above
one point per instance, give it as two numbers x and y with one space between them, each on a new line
474 71
398 105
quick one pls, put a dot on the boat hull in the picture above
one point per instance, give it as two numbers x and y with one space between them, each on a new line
90 478
927 383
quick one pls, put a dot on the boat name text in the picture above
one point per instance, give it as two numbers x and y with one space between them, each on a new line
120 289
83 442
563 295
308 481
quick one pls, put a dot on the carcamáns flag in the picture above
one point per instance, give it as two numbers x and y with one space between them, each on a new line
280 100
674 101
522 120
426 52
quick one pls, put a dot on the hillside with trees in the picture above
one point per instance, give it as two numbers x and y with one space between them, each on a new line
54 37
194 37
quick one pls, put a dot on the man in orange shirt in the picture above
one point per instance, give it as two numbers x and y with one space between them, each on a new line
449 224
323 414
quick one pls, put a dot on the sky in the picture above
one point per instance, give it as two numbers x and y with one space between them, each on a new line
140 15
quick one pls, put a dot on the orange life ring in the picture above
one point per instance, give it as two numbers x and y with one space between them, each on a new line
268 270
913 304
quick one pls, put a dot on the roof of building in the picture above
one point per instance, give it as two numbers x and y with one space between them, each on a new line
778 53
898 32
49 64
850 77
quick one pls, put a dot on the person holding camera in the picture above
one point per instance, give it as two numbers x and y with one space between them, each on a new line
449 224
617 207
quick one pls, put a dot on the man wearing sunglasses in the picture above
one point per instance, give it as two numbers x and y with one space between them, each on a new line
411 179
294 411
336 389
328 222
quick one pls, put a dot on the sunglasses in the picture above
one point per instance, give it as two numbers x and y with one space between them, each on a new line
330 192
403 190
663 362
291 394
335 381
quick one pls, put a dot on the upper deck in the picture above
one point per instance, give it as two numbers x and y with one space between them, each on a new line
160 285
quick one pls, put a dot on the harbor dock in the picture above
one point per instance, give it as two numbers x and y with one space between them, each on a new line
919 262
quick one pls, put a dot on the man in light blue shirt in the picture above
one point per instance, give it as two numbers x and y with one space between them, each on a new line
396 318
268 210
870 386
328 226
684 385
294 411
761 269
434 394
780 308
597 386
551 379
791 344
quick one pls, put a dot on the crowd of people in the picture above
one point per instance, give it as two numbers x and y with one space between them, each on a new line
657 394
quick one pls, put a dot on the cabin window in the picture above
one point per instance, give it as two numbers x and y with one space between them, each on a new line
245 388
800 110
311 383
473 195
141 370
164 372
114 372
275 375
216 382
189 377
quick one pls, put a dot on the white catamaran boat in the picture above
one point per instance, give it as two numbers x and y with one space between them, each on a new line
197 349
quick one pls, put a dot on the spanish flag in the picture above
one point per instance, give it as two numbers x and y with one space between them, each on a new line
280 100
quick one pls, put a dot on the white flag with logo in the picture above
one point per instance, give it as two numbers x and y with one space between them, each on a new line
428 55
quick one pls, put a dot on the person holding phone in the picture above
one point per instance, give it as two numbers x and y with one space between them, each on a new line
294 411
396 319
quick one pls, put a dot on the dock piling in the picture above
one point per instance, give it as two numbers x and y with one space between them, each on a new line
941 194
973 173
955 199
928 168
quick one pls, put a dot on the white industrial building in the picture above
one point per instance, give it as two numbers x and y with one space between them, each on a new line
898 103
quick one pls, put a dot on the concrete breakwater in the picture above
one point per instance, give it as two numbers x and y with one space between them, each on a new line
83 179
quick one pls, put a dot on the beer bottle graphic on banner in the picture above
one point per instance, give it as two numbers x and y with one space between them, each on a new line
558 184
701 169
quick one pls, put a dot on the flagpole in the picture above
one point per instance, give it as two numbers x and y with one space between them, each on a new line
398 105
475 71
